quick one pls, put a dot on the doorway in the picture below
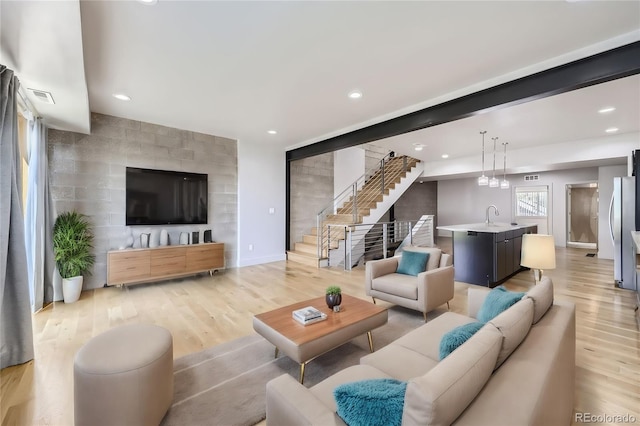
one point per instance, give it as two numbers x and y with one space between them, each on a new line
582 215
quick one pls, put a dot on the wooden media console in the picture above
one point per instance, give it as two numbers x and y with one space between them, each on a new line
134 266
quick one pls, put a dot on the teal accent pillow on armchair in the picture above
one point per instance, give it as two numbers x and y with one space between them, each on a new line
373 402
412 263
498 300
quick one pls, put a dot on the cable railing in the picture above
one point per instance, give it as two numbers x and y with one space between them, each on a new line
377 241
356 201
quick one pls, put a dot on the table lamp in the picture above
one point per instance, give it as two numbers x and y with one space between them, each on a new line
538 253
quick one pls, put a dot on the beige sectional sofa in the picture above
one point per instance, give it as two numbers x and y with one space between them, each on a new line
518 369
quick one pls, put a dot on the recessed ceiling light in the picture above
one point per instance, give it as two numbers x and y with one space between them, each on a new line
148 2
612 130
606 110
445 155
355 94
121 96
418 146
272 132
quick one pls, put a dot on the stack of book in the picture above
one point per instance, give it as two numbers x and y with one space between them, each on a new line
308 315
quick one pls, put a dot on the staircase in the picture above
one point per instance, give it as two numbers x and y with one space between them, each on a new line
365 201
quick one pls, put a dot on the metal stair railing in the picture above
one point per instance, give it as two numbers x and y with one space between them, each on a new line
421 234
360 197
382 239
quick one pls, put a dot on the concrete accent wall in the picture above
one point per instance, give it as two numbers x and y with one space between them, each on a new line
419 199
311 191
88 175
373 154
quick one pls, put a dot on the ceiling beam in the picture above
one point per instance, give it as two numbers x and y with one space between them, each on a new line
600 68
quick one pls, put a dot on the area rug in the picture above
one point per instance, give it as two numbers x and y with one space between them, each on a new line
225 385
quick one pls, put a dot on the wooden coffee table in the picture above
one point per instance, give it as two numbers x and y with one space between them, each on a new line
303 343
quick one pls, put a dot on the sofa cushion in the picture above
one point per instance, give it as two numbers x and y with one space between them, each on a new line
542 296
374 402
417 352
401 285
324 390
434 255
514 324
412 263
425 339
399 362
498 300
441 395
456 337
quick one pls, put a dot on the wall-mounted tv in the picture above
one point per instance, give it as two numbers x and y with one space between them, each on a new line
162 197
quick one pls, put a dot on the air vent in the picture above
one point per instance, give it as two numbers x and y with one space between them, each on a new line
529 178
43 96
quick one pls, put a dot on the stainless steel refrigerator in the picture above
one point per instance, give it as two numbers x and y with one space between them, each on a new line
622 220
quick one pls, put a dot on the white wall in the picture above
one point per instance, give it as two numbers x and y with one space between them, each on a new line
538 158
462 201
605 189
261 186
348 166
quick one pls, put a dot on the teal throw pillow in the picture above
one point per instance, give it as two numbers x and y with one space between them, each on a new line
413 262
454 338
374 402
498 300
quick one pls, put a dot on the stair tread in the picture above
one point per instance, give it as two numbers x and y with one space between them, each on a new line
303 254
303 258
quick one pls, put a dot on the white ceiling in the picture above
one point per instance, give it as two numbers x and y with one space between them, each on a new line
238 69
572 116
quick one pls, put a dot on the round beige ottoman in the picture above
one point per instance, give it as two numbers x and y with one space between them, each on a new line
124 376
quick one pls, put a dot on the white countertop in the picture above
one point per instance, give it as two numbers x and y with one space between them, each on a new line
483 227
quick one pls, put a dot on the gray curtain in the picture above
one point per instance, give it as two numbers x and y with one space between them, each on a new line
16 335
39 219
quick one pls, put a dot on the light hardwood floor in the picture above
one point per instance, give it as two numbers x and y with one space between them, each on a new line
205 311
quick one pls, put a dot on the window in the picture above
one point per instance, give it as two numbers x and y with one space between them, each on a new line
532 201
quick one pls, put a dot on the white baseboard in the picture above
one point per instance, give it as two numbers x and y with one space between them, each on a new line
260 260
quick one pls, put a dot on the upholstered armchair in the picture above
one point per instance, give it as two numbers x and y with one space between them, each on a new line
423 292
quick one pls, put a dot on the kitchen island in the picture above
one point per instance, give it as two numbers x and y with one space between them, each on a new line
487 254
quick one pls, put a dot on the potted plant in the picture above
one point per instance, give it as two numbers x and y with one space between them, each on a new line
72 247
333 296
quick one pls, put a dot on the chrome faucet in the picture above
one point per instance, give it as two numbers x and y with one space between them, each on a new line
488 222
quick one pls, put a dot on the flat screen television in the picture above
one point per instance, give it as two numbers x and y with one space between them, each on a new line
162 197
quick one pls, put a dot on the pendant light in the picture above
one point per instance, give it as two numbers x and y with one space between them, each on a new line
483 180
494 182
505 183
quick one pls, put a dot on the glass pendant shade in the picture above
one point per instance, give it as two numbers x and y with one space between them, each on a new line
494 182
505 183
483 180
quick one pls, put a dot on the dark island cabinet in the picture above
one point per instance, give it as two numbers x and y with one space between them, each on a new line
488 258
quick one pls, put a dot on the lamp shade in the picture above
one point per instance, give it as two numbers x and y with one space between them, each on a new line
538 251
